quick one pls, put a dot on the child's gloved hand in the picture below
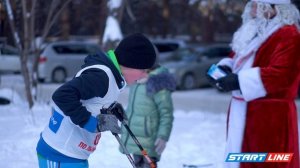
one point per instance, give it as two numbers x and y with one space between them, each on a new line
160 145
116 109
108 122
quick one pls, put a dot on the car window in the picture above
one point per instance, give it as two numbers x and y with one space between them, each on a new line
168 47
216 52
184 55
92 48
75 49
8 51
224 51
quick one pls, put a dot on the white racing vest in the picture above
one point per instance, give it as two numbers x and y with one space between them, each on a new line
70 139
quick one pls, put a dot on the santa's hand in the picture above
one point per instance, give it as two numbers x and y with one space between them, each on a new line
211 80
225 68
228 83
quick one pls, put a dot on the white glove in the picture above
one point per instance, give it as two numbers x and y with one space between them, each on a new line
160 145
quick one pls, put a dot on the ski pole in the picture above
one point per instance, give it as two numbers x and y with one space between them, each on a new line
105 111
125 150
143 151
117 109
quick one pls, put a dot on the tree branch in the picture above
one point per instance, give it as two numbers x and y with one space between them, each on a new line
32 22
47 29
129 11
25 29
51 11
12 25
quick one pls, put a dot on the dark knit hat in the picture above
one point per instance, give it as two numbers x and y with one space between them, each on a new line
136 51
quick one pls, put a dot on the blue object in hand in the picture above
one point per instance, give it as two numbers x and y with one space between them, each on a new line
215 72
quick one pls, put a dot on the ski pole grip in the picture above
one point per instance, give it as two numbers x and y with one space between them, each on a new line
117 109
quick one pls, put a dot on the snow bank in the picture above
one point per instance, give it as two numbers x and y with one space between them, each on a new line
12 95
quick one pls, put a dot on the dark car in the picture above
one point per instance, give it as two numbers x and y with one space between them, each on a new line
167 47
189 65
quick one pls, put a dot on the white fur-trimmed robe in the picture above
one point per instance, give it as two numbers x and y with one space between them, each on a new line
263 116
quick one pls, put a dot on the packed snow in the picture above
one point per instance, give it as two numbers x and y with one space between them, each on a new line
197 138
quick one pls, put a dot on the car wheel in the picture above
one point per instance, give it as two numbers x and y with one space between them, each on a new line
188 82
41 80
59 75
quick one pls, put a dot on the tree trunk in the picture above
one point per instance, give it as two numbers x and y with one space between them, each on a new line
24 55
166 16
23 50
65 21
103 16
26 77
28 42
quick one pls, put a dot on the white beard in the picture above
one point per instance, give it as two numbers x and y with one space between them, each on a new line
244 36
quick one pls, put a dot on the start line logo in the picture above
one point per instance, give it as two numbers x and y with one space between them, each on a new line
259 157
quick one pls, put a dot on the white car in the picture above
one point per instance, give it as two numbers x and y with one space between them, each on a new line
9 59
61 60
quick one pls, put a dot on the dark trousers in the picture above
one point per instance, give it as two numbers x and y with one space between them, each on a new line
141 162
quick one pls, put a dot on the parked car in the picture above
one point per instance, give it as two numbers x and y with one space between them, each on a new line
189 66
61 60
167 47
9 59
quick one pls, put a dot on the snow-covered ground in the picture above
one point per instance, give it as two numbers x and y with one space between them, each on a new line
198 135
197 138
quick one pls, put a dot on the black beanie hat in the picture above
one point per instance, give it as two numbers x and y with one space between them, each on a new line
136 51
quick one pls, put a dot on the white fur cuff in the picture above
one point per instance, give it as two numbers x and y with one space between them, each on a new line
251 84
226 61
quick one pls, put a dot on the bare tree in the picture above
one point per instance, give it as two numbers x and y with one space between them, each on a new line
27 43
